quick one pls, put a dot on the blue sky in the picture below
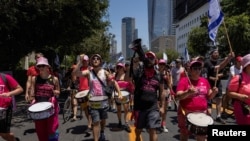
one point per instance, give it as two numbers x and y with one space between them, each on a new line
137 9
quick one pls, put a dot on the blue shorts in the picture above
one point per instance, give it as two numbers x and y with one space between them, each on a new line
98 114
148 119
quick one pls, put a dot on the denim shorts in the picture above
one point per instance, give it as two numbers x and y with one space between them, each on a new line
98 114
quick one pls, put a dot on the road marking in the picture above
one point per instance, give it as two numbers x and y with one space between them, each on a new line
132 127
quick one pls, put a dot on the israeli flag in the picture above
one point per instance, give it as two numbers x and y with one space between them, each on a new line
121 58
216 17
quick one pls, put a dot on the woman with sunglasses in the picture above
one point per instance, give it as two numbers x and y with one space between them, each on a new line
45 88
193 92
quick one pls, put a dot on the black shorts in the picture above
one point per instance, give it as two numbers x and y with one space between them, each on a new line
6 123
148 119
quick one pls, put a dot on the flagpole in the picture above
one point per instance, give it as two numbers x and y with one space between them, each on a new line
229 43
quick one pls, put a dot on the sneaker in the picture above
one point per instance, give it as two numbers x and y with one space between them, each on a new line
224 115
127 128
119 125
88 130
102 137
219 119
165 129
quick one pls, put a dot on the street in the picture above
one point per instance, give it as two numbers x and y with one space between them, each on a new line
23 127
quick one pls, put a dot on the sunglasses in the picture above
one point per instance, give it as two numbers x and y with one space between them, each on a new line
41 66
197 68
118 67
96 58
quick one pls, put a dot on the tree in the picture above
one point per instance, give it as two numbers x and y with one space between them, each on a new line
58 25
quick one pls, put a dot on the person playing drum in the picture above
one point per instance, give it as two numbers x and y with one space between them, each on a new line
45 88
125 86
99 109
193 92
7 90
84 85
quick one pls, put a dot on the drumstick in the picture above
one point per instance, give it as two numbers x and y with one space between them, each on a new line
217 71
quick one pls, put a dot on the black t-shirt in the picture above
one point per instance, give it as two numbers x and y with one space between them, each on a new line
210 65
146 90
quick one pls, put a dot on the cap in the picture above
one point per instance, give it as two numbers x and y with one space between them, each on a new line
245 60
97 55
150 54
85 57
238 59
195 63
162 61
121 65
42 61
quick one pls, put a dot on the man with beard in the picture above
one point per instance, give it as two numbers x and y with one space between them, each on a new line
96 77
149 86
214 74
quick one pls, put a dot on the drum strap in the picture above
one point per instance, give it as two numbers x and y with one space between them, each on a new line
98 78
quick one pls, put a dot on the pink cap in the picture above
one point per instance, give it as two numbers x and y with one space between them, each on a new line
42 61
162 61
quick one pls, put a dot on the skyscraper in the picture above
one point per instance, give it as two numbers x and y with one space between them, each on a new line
160 19
129 33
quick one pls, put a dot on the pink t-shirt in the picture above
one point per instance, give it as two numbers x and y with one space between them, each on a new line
244 87
124 85
12 83
198 101
83 81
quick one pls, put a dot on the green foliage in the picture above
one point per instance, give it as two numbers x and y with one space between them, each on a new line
58 26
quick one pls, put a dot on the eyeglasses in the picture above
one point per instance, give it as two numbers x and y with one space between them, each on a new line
41 66
197 68
96 58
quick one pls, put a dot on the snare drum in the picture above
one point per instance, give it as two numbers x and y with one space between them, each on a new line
82 96
2 113
125 97
198 123
98 102
41 110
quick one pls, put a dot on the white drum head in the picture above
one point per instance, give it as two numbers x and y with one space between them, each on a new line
124 93
82 94
200 119
98 98
2 109
40 106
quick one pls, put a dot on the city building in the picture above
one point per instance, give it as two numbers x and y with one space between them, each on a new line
188 14
129 33
160 21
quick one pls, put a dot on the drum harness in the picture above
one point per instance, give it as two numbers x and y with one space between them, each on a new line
106 88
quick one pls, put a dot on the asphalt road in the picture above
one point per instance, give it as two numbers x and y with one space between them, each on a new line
23 127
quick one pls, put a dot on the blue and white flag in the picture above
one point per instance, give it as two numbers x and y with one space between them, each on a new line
187 58
165 57
216 17
121 58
